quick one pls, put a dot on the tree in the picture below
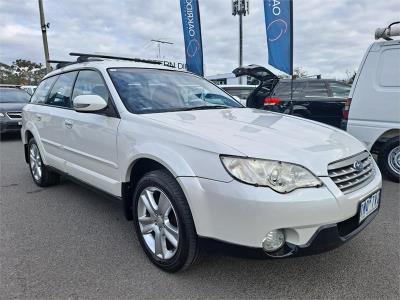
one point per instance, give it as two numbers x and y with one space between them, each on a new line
22 72
350 77
299 72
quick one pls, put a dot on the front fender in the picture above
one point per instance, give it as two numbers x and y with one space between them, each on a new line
180 160
161 154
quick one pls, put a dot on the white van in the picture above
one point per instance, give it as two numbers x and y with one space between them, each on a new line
373 108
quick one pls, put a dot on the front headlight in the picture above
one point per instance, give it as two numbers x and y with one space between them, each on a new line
2 115
280 176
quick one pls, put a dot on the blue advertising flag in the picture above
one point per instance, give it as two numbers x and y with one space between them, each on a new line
192 33
279 27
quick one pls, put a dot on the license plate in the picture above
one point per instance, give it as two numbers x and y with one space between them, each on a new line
19 122
369 205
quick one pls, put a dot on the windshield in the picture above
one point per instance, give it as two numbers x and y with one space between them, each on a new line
8 95
151 91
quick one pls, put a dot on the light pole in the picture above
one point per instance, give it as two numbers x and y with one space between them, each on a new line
44 27
241 8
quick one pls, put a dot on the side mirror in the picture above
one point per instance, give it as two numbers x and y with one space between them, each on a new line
89 103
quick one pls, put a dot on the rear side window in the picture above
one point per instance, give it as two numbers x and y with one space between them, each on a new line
90 83
284 89
60 94
43 89
339 90
389 72
316 89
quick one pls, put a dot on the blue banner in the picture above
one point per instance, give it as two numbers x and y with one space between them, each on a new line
192 33
279 27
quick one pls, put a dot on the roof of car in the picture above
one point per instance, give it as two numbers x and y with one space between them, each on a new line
10 86
110 63
310 79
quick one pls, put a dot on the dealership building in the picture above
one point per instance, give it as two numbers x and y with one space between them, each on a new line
230 79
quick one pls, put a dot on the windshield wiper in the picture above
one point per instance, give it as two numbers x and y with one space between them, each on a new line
206 107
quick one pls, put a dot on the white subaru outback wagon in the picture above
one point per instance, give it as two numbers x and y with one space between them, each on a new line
190 163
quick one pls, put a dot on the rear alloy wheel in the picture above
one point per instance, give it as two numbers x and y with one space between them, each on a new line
389 159
164 223
35 162
41 174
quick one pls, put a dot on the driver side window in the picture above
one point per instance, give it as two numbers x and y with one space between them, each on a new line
90 83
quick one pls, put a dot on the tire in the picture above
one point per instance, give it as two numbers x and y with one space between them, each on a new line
44 177
389 159
170 256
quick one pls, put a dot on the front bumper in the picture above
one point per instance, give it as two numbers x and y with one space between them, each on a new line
242 214
326 238
10 126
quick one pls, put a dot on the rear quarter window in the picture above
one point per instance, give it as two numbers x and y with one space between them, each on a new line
316 89
339 90
389 68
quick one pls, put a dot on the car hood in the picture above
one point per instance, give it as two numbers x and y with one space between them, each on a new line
12 106
267 135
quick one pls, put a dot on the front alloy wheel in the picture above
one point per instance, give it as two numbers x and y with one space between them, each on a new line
164 223
158 222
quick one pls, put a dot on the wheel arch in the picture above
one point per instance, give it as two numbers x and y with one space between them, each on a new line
28 135
387 135
136 169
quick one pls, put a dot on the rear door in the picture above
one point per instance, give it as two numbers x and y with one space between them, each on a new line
91 138
268 81
321 105
51 100
258 72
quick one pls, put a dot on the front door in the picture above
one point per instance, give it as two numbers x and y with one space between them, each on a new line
91 138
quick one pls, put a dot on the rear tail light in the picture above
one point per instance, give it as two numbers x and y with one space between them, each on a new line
345 114
346 109
272 101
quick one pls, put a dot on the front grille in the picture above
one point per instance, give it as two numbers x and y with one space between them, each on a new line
345 175
14 114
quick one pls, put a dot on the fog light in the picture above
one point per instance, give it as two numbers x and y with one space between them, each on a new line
273 240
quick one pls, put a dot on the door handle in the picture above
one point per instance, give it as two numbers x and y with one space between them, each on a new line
68 124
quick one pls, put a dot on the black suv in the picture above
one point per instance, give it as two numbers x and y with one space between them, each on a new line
321 100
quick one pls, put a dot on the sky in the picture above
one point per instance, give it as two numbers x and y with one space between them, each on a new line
330 36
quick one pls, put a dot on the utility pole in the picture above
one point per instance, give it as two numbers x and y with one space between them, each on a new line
159 42
44 27
241 8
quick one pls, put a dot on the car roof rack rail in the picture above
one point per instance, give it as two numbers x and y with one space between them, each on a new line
84 57
61 63
388 32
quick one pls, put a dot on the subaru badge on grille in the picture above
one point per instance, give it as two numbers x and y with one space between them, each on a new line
358 166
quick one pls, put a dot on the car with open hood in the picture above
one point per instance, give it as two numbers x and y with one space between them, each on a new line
190 163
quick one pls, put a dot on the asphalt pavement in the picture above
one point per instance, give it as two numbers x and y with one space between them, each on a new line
70 242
